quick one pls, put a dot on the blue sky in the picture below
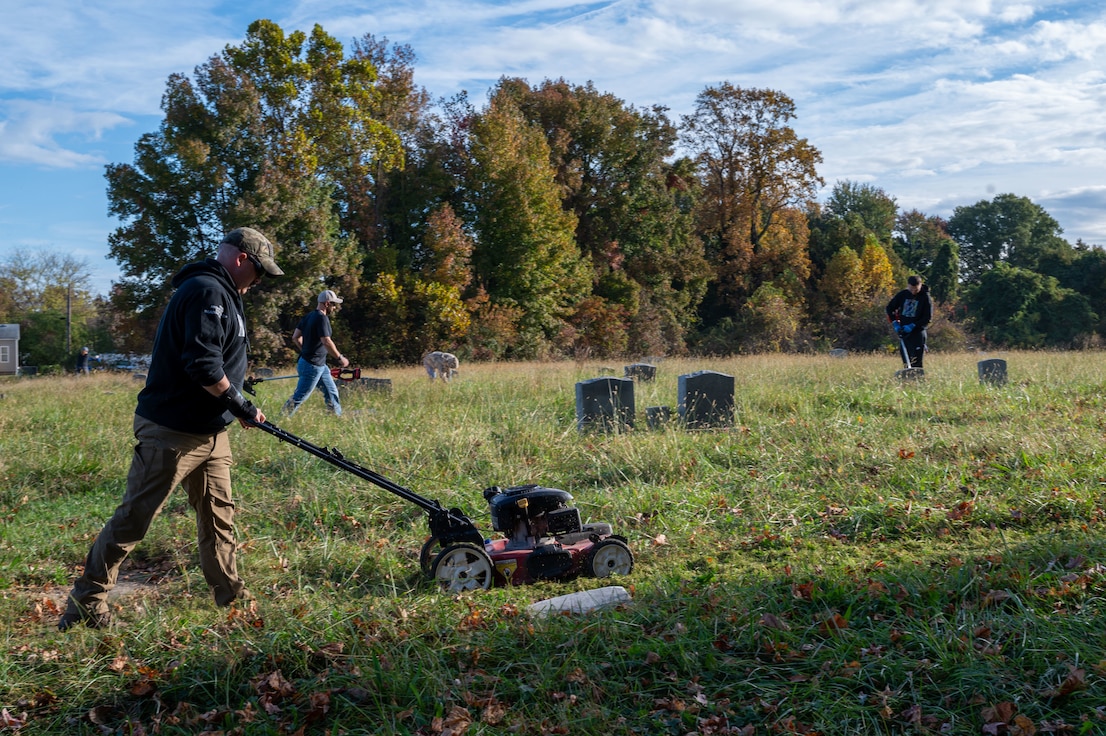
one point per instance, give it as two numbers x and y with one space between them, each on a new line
940 103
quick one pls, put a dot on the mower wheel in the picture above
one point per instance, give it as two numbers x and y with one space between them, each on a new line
460 567
426 556
609 557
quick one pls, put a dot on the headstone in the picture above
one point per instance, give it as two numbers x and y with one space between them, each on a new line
264 372
910 374
657 416
641 371
383 385
705 399
839 353
605 403
992 371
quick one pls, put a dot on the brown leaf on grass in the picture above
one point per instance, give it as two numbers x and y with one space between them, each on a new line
905 454
802 591
994 597
457 721
912 715
274 684
833 624
494 712
660 540
961 511
998 715
1075 681
7 720
142 688
472 621
772 621
577 676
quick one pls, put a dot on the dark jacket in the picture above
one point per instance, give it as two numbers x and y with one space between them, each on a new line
911 309
201 338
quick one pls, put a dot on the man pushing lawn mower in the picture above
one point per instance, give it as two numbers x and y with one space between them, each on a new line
909 313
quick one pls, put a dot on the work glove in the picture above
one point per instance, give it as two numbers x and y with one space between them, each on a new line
238 405
907 329
897 327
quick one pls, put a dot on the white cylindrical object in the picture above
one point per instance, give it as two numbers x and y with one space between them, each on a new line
583 601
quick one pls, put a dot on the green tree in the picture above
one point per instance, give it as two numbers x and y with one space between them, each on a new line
875 208
1008 229
266 134
633 224
943 275
918 240
49 295
770 321
1019 308
525 255
752 167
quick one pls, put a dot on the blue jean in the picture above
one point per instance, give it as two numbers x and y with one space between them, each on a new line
312 376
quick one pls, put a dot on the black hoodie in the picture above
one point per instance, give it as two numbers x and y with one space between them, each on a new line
911 309
201 338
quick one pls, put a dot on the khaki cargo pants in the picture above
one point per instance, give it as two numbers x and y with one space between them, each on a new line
162 459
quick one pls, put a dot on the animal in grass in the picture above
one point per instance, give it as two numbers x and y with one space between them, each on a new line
440 365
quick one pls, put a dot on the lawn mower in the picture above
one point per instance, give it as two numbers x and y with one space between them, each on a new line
338 374
544 538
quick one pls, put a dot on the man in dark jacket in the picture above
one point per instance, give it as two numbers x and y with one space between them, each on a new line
909 312
191 395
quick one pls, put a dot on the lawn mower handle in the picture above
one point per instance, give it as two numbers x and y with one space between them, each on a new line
448 525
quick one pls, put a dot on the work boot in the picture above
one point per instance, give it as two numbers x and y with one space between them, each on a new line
91 619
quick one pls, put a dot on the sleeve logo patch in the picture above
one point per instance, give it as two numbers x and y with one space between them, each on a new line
216 310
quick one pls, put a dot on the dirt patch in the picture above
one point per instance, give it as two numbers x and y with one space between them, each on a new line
126 586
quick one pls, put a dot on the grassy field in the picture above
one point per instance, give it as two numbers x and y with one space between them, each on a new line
854 555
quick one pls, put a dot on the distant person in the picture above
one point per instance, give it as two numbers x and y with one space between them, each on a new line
313 337
82 362
191 395
909 313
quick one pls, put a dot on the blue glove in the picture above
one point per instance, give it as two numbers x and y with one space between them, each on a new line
897 327
907 329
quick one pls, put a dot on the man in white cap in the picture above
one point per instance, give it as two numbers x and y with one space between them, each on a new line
313 337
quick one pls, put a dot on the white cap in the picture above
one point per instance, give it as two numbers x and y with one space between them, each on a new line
329 296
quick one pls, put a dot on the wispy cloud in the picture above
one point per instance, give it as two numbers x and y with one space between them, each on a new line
939 102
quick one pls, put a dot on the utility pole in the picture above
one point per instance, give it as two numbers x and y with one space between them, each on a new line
69 319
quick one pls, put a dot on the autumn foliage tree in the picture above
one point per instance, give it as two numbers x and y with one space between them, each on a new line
260 136
753 167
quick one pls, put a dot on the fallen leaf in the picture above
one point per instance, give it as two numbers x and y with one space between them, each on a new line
774 622
833 624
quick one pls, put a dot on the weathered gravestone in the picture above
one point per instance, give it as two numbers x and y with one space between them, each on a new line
641 371
657 416
992 371
705 399
605 403
839 353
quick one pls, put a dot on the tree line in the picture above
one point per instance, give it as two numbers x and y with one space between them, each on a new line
553 220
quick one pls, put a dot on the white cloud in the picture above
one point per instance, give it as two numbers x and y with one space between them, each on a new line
30 131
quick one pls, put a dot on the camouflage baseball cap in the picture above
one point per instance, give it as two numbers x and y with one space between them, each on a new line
250 241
